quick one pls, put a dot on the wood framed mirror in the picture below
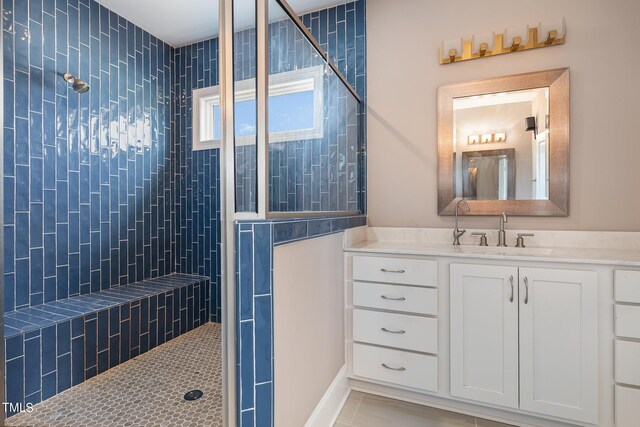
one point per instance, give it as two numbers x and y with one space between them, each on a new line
503 145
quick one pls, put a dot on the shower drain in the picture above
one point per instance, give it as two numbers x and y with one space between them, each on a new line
193 395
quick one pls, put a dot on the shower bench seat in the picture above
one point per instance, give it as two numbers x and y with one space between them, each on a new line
56 345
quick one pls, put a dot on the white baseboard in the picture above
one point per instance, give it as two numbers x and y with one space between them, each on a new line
329 407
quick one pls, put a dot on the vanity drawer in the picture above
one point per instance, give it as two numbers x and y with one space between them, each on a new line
419 272
628 321
627 409
397 367
627 364
396 330
396 297
627 286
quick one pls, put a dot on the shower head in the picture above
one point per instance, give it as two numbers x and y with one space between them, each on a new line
78 85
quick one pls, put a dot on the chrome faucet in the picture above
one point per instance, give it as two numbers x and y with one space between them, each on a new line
457 233
501 234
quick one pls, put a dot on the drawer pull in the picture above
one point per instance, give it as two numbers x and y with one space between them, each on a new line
393 332
401 369
384 270
511 280
393 298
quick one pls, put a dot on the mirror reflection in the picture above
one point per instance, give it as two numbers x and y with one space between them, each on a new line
501 145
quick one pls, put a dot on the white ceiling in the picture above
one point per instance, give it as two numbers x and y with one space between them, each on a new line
188 21
496 98
491 118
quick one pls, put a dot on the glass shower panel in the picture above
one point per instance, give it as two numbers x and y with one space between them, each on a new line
313 126
245 109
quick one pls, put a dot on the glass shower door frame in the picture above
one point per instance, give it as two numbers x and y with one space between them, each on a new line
263 137
227 214
262 154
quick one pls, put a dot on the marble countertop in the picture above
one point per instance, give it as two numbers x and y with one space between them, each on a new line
618 257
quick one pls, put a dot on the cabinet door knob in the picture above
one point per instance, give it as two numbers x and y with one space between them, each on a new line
393 332
511 281
384 270
393 298
401 369
526 289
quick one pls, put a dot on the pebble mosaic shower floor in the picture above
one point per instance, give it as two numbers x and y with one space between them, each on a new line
147 390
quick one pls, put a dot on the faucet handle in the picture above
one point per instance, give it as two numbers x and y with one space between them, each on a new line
520 239
483 238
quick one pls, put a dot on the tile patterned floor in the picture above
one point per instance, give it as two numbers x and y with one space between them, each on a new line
366 410
145 391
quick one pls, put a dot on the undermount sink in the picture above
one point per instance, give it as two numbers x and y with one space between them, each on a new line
513 251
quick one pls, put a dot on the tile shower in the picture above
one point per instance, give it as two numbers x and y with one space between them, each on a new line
102 190
99 189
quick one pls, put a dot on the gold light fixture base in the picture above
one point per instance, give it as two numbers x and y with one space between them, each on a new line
514 45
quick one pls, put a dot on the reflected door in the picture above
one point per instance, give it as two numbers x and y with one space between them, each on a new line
540 167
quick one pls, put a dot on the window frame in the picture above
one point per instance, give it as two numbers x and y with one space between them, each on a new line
288 82
208 95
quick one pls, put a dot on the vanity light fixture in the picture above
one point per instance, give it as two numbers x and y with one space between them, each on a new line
486 138
499 137
551 31
514 39
482 43
453 48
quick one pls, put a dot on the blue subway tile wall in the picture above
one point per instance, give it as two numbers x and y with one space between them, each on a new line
291 230
197 187
254 343
57 345
254 298
87 178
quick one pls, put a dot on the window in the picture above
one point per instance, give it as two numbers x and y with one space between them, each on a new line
296 104
206 118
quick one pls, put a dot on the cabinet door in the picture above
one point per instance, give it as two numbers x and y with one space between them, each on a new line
559 343
484 333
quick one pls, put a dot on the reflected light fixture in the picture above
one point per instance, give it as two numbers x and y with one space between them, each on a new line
486 138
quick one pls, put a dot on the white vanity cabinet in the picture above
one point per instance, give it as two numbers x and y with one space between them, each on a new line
531 337
525 338
394 321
